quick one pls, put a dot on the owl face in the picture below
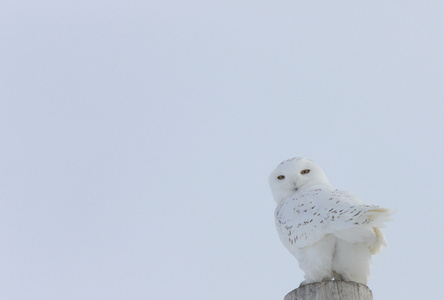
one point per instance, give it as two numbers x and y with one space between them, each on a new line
295 174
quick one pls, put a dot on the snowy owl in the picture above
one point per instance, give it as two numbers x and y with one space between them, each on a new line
332 233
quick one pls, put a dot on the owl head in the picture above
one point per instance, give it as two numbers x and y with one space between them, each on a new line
293 175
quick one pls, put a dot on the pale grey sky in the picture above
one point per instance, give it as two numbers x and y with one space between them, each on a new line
137 138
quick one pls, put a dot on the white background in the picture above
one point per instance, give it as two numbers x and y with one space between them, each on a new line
137 138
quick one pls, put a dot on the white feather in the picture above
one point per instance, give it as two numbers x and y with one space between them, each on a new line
331 232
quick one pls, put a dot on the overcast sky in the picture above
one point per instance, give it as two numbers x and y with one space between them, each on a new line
137 138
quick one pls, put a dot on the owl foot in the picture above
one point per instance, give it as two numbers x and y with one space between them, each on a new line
311 281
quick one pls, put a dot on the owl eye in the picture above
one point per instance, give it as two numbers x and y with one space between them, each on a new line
280 177
306 171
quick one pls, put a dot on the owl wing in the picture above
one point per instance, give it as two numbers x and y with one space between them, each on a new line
308 216
356 222
301 219
351 198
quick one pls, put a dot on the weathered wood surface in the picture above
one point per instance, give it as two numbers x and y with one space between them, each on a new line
331 290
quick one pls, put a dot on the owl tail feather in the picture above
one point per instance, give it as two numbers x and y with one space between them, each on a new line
378 217
379 243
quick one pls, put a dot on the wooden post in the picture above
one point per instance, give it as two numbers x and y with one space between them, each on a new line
331 290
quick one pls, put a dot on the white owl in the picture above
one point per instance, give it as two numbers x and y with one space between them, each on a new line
332 233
